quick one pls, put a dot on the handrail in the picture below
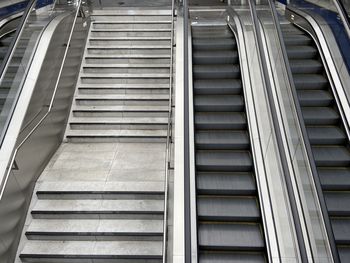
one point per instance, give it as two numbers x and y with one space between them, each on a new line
14 152
168 137
15 40
306 142
263 63
343 15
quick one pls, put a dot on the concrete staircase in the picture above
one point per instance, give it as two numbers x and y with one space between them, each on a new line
123 90
104 202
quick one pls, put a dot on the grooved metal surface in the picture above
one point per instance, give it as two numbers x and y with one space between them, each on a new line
325 130
228 213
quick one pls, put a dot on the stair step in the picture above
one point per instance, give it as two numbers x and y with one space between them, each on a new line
303 66
213 44
320 98
84 251
335 178
326 135
233 161
217 103
220 120
216 71
116 135
120 111
229 237
100 190
222 140
115 123
85 209
225 183
217 87
301 52
310 81
215 57
95 229
341 230
338 203
225 209
320 116
335 156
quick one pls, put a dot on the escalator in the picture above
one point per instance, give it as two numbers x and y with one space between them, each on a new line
228 214
326 132
5 43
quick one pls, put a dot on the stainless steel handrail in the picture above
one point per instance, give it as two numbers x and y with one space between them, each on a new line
305 140
14 152
168 137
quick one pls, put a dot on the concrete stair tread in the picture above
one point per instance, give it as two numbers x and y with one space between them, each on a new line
129 38
115 56
131 30
132 12
121 120
97 226
66 249
126 65
151 206
117 133
129 47
133 22
121 108
126 75
122 97
102 187
124 86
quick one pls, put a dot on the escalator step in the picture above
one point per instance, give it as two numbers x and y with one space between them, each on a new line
335 179
242 237
326 135
225 183
344 253
341 230
220 140
320 116
310 81
338 203
220 120
218 103
302 66
215 57
226 257
217 86
319 98
242 209
296 40
216 71
301 52
333 156
233 161
213 44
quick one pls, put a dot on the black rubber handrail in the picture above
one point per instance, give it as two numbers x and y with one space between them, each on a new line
16 37
287 175
187 172
308 148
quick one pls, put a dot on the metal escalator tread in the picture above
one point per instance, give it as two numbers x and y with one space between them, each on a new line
222 140
217 86
326 134
231 258
215 57
242 237
216 71
300 66
227 209
218 103
225 183
314 98
228 212
320 115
